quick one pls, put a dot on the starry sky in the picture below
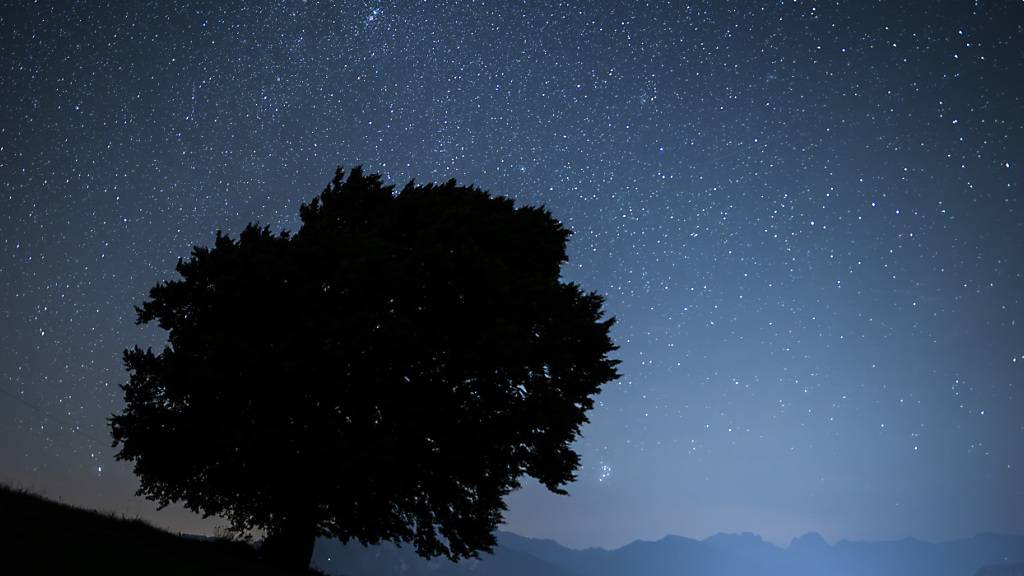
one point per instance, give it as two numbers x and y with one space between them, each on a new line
806 216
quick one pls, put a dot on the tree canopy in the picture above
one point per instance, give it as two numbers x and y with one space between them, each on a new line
389 372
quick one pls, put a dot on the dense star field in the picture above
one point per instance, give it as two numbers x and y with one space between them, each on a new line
806 217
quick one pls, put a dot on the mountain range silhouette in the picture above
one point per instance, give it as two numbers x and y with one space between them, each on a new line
743 554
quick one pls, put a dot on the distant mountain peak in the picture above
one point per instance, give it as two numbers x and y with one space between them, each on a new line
672 538
808 541
733 537
741 540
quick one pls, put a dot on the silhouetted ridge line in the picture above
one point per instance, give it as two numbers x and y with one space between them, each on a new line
719 555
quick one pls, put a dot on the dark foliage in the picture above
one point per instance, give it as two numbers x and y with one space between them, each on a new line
387 373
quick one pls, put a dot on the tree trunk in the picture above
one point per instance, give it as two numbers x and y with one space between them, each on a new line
290 545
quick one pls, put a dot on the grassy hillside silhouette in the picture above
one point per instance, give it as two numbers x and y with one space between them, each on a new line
40 536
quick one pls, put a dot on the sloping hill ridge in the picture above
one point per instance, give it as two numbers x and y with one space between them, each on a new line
39 536
720 555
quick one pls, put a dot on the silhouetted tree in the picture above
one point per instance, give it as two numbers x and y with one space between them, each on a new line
387 373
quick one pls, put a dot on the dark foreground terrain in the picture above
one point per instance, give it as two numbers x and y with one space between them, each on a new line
39 536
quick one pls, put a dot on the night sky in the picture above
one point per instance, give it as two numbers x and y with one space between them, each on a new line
807 218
